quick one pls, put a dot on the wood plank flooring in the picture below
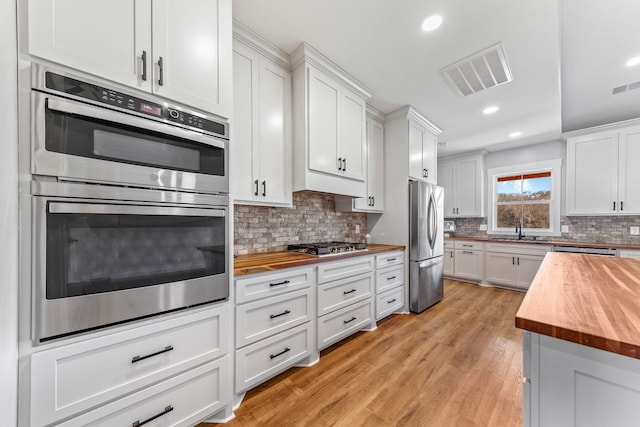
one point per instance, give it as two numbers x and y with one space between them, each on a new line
457 364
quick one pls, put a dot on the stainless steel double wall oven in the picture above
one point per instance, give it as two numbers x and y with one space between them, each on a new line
130 206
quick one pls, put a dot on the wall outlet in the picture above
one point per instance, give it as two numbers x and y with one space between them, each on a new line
357 228
564 228
483 227
634 231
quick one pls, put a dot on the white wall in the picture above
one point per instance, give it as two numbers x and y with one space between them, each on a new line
8 215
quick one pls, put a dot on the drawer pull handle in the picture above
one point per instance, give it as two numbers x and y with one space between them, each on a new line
467 246
273 316
349 321
284 282
139 358
148 420
467 252
391 259
273 356
349 292
390 301
391 278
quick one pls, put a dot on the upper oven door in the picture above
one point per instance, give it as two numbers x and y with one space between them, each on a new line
77 141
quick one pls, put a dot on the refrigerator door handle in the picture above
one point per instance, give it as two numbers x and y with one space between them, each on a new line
432 222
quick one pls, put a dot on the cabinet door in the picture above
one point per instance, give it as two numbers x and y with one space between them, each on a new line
429 147
629 172
103 38
592 174
468 264
527 267
445 180
375 169
244 152
500 268
468 190
353 136
416 136
275 133
192 53
323 125
448 262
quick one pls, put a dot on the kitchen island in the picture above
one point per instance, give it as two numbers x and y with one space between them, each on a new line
581 318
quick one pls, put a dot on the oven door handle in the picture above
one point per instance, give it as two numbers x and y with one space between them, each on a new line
70 107
104 209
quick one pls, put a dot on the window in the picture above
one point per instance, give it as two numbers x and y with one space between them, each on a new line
525 194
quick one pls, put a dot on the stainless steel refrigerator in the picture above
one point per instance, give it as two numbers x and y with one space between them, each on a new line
426 245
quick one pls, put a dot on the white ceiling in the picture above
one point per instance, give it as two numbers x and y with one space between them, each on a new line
381 43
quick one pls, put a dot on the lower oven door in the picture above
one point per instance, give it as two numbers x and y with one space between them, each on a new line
102 263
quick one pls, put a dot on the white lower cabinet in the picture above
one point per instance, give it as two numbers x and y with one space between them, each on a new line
449 260
389 283
274 324
183 400
71 379
469 260
513 265
345 299
628 253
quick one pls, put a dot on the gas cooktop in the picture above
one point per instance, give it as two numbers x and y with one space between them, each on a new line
327 248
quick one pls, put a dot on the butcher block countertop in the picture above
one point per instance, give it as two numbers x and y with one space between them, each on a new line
270 261
543 241
591 300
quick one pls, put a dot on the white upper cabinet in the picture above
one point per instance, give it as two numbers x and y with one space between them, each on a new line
329 145
261 150
463 182
177 50
422 152
601 173
374 202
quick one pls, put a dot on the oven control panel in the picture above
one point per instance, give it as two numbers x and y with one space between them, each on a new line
114 98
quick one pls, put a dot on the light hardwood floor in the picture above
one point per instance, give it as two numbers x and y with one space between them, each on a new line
457 364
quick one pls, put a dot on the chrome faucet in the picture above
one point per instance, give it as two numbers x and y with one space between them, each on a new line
519 229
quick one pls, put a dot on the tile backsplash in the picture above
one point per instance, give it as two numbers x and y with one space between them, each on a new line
311 219
587 229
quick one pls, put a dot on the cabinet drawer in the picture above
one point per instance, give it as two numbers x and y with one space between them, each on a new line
77 377
261 319
465 244
518 248
341 293
389 259
340 269
262 360
449 244
183 400
390 301
337 325
389 278
266 285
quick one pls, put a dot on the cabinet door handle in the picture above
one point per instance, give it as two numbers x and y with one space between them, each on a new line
273 316
256 183
161 73
451 254
373 201
513 260
135 359
139 423
349 321
392 300
426 171
518 260
339 163
264 188
284 282
144 66
614 206
349 292
273 356
391 278
621 205
344 164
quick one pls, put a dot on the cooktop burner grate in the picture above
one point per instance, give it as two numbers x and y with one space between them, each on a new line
327 248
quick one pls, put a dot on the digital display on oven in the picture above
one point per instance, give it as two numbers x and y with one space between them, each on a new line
150 109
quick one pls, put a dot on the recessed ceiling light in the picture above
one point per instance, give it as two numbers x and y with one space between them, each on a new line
431 23
515 134
633 61
490 110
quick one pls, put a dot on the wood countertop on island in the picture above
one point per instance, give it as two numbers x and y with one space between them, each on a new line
270 261
591 300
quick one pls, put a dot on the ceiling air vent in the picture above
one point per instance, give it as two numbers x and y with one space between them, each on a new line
480 71
626 88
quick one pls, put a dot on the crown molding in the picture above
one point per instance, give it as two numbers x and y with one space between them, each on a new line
409 112
246 36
